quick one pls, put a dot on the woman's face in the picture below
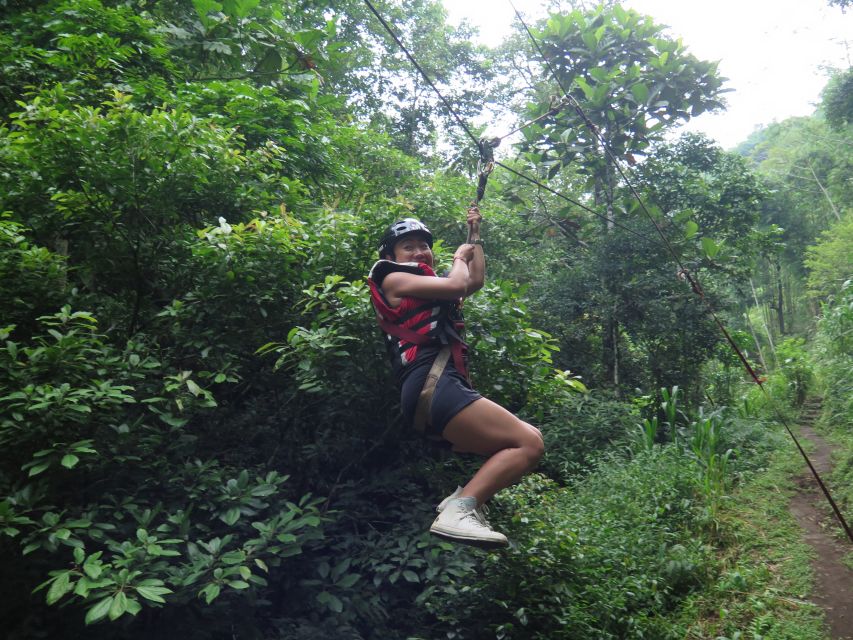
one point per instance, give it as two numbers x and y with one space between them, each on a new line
413 248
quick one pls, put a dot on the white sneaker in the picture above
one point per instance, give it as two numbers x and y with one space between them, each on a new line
482 510
444 502
460 522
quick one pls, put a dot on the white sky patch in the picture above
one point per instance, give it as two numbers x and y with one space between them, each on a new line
774 52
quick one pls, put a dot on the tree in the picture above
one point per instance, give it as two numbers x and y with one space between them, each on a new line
631 83
837 100
830 261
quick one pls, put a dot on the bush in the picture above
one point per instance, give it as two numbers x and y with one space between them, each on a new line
606 559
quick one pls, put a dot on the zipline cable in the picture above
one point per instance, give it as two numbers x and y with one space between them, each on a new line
685 274
481 143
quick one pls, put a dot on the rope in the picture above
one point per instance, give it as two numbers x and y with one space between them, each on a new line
686 275
479 142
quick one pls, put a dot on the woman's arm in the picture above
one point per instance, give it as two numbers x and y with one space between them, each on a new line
456 285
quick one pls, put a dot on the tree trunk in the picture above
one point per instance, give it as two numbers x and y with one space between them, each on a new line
780 298
610 340
764 322
757 343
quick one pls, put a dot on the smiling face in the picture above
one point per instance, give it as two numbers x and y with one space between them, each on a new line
413 248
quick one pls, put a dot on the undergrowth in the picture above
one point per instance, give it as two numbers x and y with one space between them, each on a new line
761 589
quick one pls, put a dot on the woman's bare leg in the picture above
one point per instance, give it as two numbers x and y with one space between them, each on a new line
513 447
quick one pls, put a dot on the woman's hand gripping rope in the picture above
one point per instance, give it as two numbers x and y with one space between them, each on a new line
474 220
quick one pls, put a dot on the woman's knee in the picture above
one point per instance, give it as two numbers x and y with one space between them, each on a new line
533 443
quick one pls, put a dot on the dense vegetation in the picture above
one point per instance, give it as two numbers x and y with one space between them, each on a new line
200 436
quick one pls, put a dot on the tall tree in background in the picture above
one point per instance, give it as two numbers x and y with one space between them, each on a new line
633 83
806 164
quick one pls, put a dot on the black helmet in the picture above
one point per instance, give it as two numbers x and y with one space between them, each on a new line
400 229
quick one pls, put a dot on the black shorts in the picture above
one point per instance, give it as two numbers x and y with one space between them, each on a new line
452 393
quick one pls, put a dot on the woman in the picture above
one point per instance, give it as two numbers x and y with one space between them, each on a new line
419 314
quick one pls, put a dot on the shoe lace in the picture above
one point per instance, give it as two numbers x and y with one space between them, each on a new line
482 511
475 519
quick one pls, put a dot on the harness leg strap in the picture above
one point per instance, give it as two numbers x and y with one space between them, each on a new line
422 411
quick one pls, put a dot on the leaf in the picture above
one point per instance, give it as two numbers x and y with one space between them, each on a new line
93 570
690 229
411 576
710 247
587 90
194 388
133 606
331 601
640 92
234 557
231 516
270 63
98 611
69 461
61 585
210 592
154 593
238 584
38 468
204 7
348 580
119 606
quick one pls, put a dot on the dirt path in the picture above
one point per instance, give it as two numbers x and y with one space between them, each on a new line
833 580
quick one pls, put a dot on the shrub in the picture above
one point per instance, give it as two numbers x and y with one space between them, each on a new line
605 559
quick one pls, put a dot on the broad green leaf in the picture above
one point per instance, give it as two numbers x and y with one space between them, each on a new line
119 606
194 388
411 576
690 229
348 580
99 611
154 593
210 593
234 557
231 516
133 606
710 247
640 92
69 461
38 468
93 570
61 585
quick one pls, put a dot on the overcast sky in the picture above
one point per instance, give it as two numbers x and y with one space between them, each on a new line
772 51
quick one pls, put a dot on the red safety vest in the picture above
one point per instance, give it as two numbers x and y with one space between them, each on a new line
416 322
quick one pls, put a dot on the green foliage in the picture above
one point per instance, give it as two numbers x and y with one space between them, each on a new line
578 429
214 450
630 80
837 100
605 559
705 444
90 47
694 181
32 278
796 368
188 527
833 364
829 262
